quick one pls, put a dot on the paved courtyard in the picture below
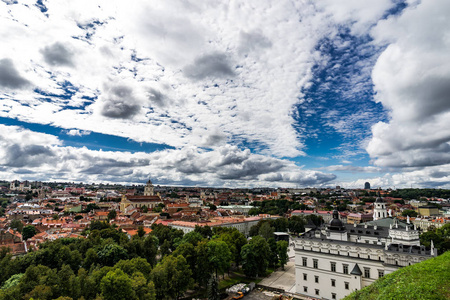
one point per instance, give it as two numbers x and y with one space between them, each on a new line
284 280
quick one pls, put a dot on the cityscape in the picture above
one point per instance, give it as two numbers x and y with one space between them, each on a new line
250 150
321 243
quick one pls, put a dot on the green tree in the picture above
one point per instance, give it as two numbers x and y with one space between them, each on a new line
28 232
262 251
135 265
273 254
110 254
117 285
213 289
205 231
296 224
172 277
203 269
282 248
193 238
141 231
91 258
409 212
266 231
150 249
12 281
187 250
112 214
16 224
254 211
64 280
165 248
219 256
235 240
41 292
249 261
139 285
439 236
280 224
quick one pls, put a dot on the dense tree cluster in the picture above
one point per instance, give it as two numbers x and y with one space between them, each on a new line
409 194
274 207
439 236
163 265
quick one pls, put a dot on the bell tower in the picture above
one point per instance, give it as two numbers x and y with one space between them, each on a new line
149 189
379 211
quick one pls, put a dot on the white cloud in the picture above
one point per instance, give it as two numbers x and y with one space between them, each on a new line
250 63
36 156
427 177
411 80
349 168
76 132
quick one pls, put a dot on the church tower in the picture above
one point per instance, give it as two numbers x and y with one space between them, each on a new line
379 210
148 190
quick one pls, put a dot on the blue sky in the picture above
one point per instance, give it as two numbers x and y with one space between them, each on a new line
237 94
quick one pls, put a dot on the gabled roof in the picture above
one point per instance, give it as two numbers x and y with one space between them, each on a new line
356 270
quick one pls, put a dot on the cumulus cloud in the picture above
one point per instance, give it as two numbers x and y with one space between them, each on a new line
424 177
263 55
349 168
411 79
76 132
250 41
215 65
120 103
58 54
157 98
9 76
233 73
27 154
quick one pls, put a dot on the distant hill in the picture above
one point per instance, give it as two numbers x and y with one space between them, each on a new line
429 279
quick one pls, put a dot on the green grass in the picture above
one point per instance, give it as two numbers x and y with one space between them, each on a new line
429 279
239 277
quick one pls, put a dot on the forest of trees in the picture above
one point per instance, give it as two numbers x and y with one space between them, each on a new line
163 265
409 194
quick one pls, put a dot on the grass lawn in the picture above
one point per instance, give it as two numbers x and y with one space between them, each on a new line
238 277
429 279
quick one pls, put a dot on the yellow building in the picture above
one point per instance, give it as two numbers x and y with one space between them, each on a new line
148 200
428 211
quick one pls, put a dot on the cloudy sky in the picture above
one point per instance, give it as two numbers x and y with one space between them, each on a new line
226 93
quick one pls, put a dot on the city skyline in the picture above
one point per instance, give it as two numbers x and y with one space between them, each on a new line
226 94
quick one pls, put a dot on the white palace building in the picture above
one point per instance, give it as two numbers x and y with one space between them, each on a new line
337 259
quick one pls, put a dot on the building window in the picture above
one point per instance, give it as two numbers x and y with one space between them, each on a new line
305 289
305 276
333 296
333 267
380 273
346 285
317 292
304 261
315 263
345 269
333 282
367 272
316 279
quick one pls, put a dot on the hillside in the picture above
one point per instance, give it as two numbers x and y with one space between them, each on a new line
427 280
